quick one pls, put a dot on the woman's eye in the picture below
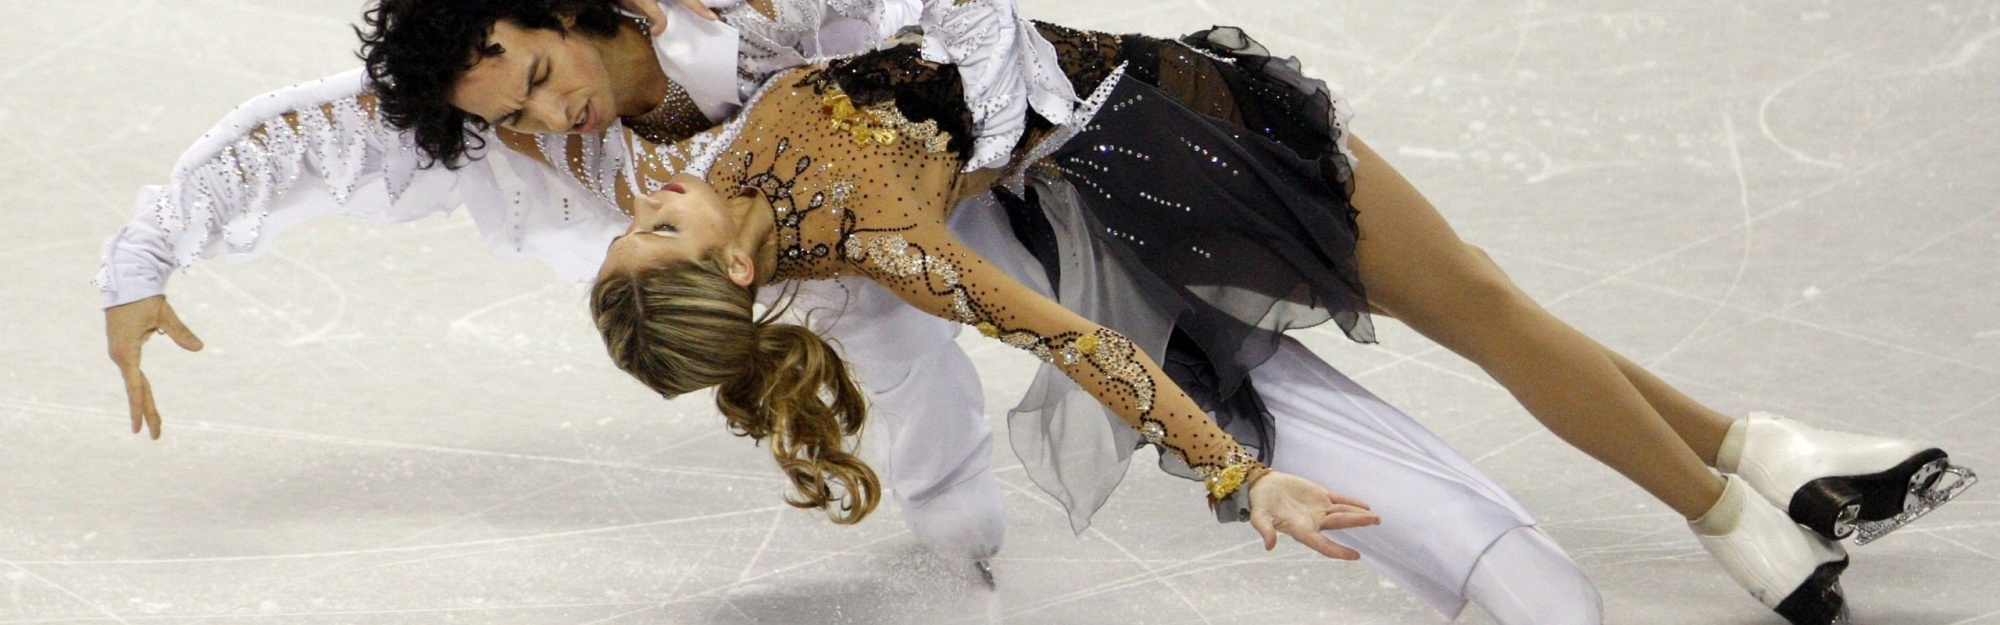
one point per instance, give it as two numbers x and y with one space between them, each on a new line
666 228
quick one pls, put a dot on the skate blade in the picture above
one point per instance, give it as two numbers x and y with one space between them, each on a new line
985 572
1936 484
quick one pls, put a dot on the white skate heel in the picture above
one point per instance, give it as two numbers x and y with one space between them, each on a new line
1791 570
1840 484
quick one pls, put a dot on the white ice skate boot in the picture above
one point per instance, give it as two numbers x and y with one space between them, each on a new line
1793 571
1840 484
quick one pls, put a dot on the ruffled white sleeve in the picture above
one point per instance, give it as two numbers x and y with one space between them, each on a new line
319 149
307 150
1006 67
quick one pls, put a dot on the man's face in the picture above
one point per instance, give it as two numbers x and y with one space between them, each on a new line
543 81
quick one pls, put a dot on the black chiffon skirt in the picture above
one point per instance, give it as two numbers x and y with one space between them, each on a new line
1200 205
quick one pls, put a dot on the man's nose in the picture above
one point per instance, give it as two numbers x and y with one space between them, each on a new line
550 115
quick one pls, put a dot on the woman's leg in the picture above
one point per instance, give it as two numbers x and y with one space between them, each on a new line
1701 427
1415 267
1448 533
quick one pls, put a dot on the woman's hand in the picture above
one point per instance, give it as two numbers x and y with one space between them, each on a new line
126 328
1282 502
651 10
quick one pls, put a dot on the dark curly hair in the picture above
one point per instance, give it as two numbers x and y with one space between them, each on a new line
416 49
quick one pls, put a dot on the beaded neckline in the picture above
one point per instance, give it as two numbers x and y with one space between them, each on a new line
675 118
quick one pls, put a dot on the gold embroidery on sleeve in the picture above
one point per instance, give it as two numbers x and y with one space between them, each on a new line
1112 355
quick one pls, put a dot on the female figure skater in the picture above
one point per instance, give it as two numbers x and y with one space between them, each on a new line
321 148
850 169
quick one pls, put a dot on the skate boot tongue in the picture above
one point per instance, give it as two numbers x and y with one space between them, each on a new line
1789 569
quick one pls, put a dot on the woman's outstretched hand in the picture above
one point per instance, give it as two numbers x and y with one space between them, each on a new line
126 328
658 17
1282 502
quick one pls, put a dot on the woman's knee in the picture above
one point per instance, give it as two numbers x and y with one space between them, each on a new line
1467 291
1480 281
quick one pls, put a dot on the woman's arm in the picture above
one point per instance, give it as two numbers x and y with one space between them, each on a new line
930 269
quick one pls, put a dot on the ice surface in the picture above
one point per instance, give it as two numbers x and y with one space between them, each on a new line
1790 206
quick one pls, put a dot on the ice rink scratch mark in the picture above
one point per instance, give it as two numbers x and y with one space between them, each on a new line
1764 112
64 590
468 543
1730 139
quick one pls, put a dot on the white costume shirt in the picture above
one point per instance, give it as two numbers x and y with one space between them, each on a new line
317 148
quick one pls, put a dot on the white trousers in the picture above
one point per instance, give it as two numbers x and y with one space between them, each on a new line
1448 533
927 435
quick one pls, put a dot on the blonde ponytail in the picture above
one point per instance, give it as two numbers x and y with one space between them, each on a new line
683 326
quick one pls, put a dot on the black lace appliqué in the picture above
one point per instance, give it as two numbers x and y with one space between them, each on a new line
921 90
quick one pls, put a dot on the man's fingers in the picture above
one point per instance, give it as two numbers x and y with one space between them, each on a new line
698 8
152 413
135 396
124 345
184 337
135 393
124 352
655 16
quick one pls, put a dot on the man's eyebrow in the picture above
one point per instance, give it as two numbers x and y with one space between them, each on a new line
527 89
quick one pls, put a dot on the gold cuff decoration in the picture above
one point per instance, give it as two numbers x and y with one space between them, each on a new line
1225 482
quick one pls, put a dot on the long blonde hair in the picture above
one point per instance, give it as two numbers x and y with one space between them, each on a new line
683 326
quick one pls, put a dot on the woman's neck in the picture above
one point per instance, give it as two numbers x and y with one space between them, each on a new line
635 70
758 232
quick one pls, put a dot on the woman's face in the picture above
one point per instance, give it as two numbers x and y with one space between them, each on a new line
543 81
686 220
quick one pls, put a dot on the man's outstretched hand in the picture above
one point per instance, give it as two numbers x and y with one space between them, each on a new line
126 328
